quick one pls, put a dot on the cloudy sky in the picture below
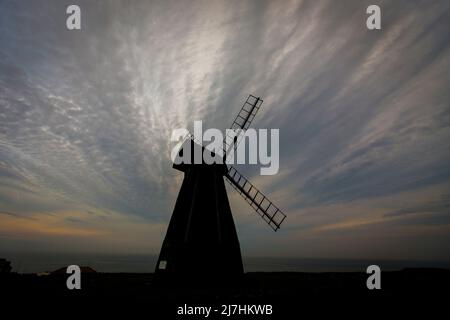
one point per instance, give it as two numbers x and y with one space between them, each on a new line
364 118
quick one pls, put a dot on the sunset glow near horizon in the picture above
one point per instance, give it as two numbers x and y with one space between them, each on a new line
364 119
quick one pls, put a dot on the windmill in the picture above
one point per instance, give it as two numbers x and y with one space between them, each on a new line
201 238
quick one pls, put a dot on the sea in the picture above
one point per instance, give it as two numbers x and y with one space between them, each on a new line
35 262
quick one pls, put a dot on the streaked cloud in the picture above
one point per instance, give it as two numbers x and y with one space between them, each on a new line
364 120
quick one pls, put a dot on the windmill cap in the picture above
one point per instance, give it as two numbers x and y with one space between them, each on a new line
190 147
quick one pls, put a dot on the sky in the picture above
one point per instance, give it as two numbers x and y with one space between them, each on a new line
364 117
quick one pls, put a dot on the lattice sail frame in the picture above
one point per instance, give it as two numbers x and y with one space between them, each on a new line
257 200
241 123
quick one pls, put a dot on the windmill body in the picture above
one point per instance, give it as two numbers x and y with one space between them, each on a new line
201 237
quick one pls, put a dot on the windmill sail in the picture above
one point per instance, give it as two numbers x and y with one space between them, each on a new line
262 205
242 122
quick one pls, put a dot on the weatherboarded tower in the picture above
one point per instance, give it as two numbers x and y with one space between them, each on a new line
201 237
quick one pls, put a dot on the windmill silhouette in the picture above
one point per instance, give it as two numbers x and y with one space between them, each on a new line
201 238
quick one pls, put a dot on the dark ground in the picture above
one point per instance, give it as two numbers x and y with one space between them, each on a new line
292 295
